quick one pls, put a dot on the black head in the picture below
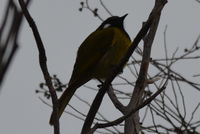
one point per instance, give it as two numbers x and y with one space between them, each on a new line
114 21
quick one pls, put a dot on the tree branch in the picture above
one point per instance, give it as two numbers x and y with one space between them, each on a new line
43 64
132 124
11 24
121 119
115 100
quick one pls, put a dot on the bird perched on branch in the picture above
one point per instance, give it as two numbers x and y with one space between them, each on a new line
98 54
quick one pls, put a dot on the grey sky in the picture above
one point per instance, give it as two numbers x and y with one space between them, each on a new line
63 28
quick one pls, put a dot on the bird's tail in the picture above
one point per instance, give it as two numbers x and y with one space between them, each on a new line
66 97
63 101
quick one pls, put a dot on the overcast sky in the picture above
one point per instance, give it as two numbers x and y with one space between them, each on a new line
63 28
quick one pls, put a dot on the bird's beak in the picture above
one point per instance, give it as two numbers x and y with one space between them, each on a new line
123 17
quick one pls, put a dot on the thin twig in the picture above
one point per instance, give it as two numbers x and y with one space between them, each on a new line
115 100
104 6
165 44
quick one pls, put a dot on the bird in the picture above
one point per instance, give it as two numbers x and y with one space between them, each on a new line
97 55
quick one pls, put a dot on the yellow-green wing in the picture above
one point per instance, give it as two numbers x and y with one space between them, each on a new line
91 51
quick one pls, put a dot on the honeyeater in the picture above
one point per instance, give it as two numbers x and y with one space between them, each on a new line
97 55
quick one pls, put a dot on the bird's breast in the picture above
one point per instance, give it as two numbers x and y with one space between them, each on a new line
114 54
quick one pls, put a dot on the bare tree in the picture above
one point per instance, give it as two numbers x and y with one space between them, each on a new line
148 93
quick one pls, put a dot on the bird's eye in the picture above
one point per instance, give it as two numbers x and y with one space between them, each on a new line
106 25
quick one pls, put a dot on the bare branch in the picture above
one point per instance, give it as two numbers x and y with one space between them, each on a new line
115 100
9 31
137 95
43 64
121 119
104 6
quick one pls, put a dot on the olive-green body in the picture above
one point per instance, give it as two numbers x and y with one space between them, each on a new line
97 55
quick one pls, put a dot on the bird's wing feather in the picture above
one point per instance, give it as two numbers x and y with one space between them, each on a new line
91 51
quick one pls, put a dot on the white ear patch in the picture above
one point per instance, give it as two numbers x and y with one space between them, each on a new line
106 25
